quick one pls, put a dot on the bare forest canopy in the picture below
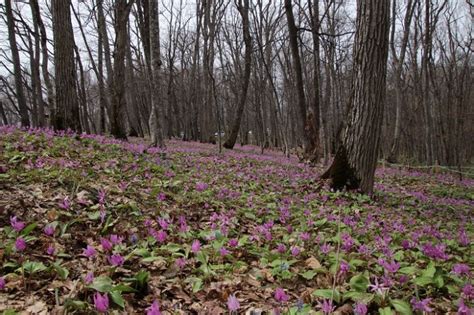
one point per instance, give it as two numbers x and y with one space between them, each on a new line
226 71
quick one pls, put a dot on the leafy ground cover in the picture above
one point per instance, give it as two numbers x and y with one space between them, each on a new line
90 224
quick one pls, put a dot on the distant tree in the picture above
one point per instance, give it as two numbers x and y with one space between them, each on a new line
117 119
356 157
156 132
20 94
235 127
66 113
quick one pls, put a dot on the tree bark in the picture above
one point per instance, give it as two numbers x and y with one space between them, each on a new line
117 119
67 105
356 158
234 131
156 132
20 94
44 55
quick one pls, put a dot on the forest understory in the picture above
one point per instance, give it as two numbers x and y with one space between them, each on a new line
89 223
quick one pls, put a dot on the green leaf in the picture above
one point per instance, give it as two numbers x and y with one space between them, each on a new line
411 270
401 307
32 267
75 304
27 230
308 275
430 270
328 294
117 298
62 272
359 296
423 281
359 283
202 258
197 285
123 288
151 259
386 311
9 312
94 215
102 284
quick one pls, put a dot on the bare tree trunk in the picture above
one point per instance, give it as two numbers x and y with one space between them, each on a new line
398 62
20 94
356 159
155 126
234 131
35 71
67 105
44 54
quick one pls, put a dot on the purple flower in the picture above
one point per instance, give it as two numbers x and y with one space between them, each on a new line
154 309
161 197
161 236
233 242
196 246
295 251
101 302
106 244
232 303
281 248
2 283
344 268
89 278
16 224
378 288
463 238
20 244
50 250
461 269
115 239
360 309
389 267
116 260
468 291
224 251
305 236
48 230
180 262
421 305
89 251
200 186
463 309
325 248
326 306
65 203
280 295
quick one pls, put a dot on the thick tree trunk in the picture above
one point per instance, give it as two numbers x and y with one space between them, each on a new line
356 158
118 117
20 94
44 55
67 105
234 131
156 132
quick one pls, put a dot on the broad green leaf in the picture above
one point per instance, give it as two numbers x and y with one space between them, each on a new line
197 285
401 307
423 281
117 298
308 275
359 283
328 294
359 296
102 284
410 270
386 311
27 230
430 270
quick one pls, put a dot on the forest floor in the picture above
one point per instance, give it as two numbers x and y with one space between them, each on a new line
89 223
